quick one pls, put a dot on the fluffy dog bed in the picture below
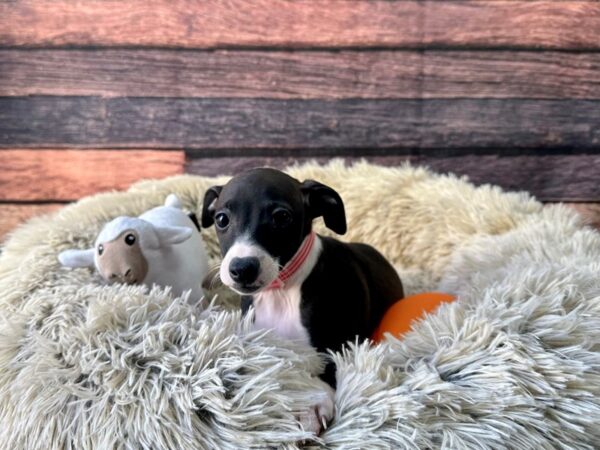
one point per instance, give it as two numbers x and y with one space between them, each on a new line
514 363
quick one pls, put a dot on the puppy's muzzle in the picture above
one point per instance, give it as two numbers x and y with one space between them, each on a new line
244 271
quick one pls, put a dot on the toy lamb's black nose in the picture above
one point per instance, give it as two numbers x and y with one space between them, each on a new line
244 270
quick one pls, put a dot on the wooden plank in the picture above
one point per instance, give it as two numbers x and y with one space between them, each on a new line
510 74
252 74
510 23
12 215
302 74
212 124
63 175
208 23
549 177
279 23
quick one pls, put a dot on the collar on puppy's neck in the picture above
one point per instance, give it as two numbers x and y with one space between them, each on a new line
294 264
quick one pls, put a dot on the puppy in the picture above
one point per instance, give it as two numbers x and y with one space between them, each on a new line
301 285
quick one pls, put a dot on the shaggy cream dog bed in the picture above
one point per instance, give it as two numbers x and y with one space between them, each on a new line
514 363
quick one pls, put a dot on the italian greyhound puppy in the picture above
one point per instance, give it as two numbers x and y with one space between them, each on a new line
303 286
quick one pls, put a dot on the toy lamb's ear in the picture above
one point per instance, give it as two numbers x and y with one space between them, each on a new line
208 206
173 201
77 258
323 201
172 235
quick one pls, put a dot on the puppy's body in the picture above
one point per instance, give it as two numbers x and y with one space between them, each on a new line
338 292
342 294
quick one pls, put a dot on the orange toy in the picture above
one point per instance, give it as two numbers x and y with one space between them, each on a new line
398 319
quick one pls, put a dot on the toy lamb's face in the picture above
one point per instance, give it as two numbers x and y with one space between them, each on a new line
125 248
122 259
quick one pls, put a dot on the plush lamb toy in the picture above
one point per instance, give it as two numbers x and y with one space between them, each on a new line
162 247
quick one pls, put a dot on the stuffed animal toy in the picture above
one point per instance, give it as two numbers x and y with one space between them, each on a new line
399 318
163 246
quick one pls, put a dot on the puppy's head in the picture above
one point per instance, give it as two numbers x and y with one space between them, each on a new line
261 217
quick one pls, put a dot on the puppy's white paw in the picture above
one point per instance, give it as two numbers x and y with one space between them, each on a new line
317 418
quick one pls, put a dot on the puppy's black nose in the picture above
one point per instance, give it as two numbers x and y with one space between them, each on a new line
244 270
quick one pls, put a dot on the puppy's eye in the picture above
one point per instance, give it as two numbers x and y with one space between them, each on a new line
281 218
130 239
222 221
100 249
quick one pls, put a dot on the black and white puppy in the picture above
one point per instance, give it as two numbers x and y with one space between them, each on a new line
303 286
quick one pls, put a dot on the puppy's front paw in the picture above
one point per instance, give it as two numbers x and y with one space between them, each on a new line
320 415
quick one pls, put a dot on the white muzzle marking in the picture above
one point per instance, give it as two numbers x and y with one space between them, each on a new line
245 248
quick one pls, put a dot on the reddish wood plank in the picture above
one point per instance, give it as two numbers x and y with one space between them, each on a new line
275 23
549 177
207 23
13 215
302 74
527 23
210 124
62 175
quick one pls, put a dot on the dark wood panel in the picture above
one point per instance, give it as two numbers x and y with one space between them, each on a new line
62 175
302 74
212 124
550 177
12 215
274 23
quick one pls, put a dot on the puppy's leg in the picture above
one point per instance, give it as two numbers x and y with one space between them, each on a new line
328 375
317 418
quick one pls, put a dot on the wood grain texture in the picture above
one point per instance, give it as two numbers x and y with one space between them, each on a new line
205 124
63 175
13 215
528 23
510 74
548 177
280 23
301 74
251 74
207 23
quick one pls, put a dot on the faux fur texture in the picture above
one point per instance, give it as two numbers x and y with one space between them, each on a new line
514 363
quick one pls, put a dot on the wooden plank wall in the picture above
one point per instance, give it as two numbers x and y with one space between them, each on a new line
95 95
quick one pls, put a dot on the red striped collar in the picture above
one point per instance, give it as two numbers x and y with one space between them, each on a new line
294 264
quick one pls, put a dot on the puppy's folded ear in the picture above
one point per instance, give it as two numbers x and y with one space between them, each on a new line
208 205
322 201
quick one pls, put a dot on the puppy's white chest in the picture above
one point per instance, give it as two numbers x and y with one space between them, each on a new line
279 310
